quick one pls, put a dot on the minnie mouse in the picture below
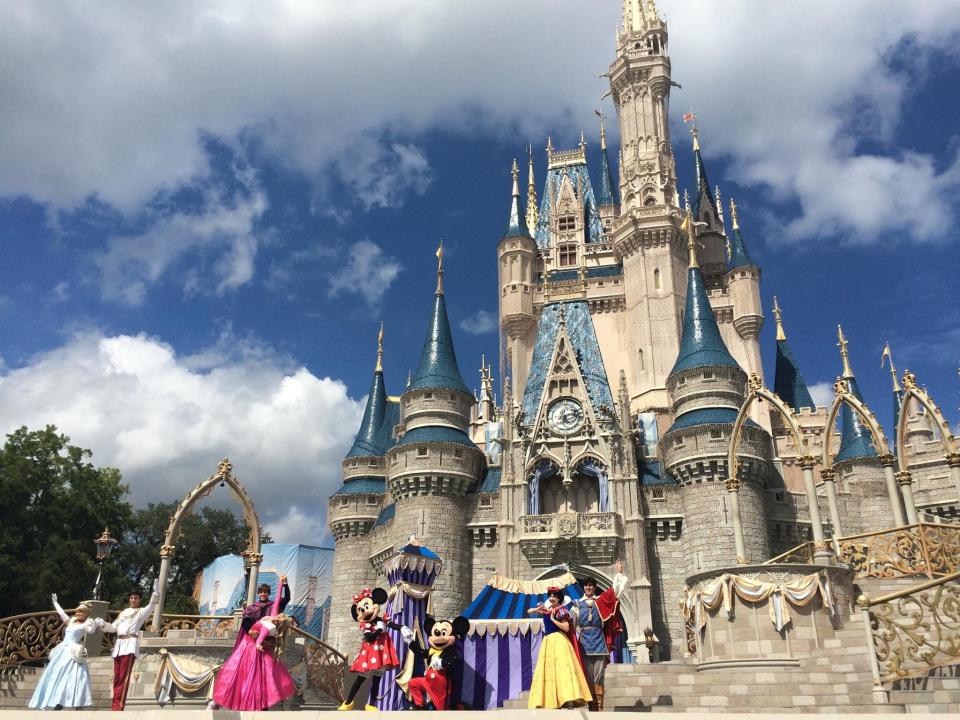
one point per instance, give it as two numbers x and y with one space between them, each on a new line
377 653
432 691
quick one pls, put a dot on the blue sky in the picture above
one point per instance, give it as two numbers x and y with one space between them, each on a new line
205 211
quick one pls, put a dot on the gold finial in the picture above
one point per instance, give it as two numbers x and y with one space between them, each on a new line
687 227
603 130
583 140
844 354
440 268
379 367
733 215
696 139
887 355
532 212
778 316
909 380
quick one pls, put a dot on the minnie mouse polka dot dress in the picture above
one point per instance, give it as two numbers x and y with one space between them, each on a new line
376 655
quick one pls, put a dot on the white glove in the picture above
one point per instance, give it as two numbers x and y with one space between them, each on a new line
436 663
99 622
380 625
407 634
53 598
156 585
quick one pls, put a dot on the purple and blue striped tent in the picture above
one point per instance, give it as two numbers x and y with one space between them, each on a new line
500 651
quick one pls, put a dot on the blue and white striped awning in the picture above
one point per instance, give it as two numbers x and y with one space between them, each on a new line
508 599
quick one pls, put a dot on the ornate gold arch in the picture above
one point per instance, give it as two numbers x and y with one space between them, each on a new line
843 395
756 392
947 439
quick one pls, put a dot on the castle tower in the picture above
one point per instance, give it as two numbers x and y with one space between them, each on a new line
353 509
743 281
517 254
608 201
707 388
788 381
434 464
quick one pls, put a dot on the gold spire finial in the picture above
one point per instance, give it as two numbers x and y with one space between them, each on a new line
887 355
603 130
687 227
379 367
844 353
733 215
778 316
696 139
440 268
532 212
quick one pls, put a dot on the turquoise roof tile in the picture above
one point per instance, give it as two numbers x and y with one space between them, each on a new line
701 344
517 223
438 361
592 272
652 473
608 190
435 434
855 438
363 486
703 185
386 515
375 435
739 257
491 481
578 174
707 416
788 381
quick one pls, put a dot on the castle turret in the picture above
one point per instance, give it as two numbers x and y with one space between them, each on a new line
855 439
517 254
353 509
434 464
608 202
743 280
707 388
788 381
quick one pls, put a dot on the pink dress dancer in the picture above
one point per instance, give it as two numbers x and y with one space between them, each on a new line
252 678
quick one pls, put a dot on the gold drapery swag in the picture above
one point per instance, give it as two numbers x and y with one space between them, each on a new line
188 676
798 592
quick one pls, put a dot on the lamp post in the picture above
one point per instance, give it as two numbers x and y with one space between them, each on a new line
105 545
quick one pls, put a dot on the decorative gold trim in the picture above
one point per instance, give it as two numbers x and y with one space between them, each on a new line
903 477
828 474
953 459
807 462
167 550
733 484
888 459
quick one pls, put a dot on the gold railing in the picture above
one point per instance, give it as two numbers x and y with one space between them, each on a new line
325 667
922 549
206 626
31 636
914 630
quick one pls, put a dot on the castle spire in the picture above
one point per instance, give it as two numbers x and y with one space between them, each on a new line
608 190
855 438
739 257
701 344
703 184
517 225
438 361
788 381
532 212
379 367
844 353
368 440
897 393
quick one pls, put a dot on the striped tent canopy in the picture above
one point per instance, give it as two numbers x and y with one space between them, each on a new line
503 599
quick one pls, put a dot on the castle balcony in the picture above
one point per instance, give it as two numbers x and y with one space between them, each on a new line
592 538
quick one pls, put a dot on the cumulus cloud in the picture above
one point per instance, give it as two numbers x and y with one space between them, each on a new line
368 272
480 323
822 393
166 420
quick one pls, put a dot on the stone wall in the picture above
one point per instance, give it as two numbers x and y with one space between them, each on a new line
351 572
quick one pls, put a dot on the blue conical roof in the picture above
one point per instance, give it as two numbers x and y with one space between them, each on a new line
517 224
855 439
438 361
701 344
739 257
703 185
368 441
788 381
608 191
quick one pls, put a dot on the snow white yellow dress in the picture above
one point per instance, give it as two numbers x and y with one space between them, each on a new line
558 678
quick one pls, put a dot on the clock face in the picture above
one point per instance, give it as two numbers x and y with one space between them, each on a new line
565 415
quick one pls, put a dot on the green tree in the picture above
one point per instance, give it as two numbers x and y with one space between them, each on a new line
53 503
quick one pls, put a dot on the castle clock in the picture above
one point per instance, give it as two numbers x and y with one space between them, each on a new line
565 416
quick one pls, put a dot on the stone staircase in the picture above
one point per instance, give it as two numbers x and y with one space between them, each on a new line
17 684
836 678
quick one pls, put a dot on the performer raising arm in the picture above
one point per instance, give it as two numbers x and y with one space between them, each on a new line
127 627
599 624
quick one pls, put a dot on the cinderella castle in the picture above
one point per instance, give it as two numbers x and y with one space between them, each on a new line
630 318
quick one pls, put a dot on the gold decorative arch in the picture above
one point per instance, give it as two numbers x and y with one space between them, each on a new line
252 555
843 395
947 439
756 392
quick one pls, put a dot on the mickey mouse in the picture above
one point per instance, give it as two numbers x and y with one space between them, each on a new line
377 653
432 691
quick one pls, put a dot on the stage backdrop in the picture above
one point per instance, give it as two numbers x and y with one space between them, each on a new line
309 570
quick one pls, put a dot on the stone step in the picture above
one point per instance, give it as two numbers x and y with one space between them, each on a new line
838 709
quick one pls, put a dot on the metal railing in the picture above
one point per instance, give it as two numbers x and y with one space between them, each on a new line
30 637
206 626
913 631
325 667
921 549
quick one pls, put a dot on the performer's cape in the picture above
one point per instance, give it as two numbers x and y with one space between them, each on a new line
608 605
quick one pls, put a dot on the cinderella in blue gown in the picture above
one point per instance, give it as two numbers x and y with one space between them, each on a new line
66 680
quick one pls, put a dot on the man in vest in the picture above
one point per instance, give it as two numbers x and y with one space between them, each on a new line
598 624
127 627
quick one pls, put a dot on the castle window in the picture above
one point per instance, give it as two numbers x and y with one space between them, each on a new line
422 451
640 359
372 500
372 462
650 201
678 440
708 376
656 279
428 396
715 434
344 502
780 497
458 453
658 493
567 255
566 223
486 501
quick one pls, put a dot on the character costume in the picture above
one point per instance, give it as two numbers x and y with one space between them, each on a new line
252 678
66 680
260 609
441 660
599 623
558 678
127 627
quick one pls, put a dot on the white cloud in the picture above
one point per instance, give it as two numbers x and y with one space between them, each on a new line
368 272
166 421
822 393
119 100
222 230
480 323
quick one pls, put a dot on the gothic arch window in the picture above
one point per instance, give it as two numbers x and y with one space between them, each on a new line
656 279
640 360
651 200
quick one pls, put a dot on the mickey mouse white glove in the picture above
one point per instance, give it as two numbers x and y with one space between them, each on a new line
380 625
436 663
407 634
